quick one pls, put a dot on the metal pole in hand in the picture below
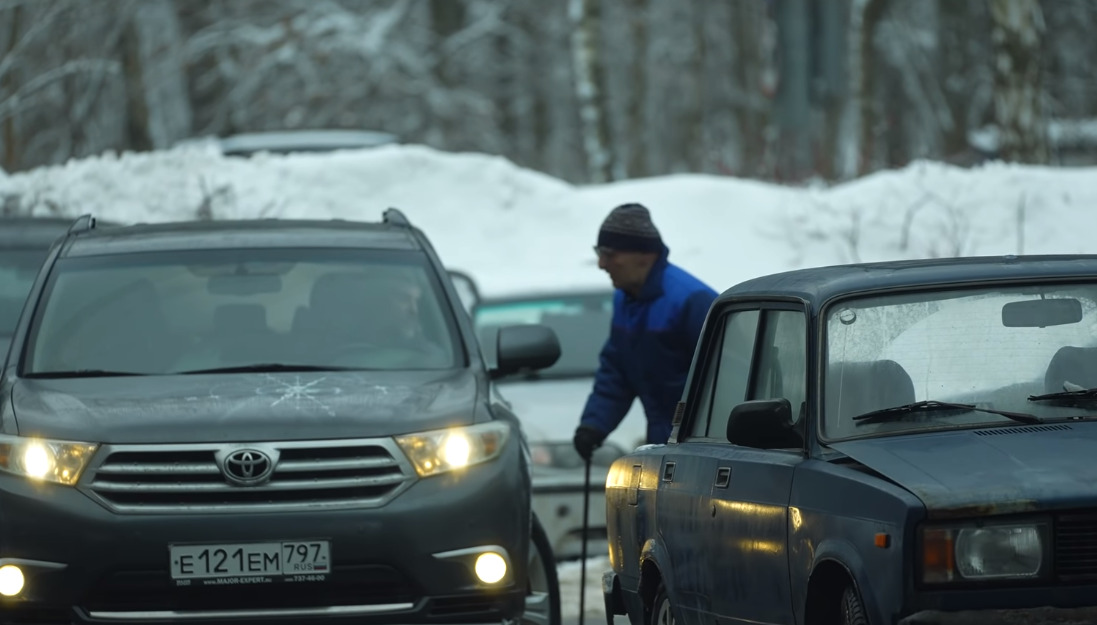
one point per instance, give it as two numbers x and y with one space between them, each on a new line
586 531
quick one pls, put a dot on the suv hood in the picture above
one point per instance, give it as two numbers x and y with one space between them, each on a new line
990 471
242 407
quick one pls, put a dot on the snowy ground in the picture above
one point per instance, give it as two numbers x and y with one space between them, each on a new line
515 229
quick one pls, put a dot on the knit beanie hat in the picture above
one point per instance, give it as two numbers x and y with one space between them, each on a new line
628 228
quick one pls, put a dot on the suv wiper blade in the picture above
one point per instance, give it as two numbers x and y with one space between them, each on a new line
897 412
266 367
1084 394
82 373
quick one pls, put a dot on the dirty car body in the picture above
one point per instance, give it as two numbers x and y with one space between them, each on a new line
881 443
285 421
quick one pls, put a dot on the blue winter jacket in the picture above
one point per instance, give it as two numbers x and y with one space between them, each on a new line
649 350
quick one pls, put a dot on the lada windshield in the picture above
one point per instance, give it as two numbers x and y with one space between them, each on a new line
989 348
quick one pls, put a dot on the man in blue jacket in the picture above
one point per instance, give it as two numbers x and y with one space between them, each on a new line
658 311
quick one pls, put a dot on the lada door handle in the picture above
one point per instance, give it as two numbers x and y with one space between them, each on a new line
723 477
668 472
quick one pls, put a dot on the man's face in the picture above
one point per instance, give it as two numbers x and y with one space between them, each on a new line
627 270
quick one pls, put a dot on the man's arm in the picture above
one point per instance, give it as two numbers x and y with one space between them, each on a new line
612 395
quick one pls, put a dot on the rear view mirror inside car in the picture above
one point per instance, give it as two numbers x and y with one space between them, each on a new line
244 284
1040 313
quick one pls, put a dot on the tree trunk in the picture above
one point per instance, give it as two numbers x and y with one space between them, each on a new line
754 74
156 84
1017 33
587 61
832 19
7 88
638 162
872 12
793 93
694 148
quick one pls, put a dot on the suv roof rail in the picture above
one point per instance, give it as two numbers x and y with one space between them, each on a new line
395 217
83 223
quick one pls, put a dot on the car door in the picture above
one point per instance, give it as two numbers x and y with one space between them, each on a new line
688 469
751 485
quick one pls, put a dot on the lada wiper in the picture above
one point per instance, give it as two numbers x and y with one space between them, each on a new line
267 367
929 405
1083 394
81 373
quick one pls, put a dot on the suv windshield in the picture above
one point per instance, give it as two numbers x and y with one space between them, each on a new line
989 348
581 323
180 312
18 269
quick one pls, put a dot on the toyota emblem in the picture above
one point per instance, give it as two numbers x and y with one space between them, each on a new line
248 467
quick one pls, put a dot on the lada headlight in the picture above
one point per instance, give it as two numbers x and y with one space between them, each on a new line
60 462
440 451
985 552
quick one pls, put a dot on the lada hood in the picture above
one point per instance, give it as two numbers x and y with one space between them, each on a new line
240 407
988 471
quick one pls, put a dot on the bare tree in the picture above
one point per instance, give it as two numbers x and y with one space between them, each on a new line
593 113
638 25
793 94
1017 33
156 85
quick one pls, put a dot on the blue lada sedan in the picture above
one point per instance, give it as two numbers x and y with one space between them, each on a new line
903 442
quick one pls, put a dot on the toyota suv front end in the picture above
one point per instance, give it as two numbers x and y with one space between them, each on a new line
260 421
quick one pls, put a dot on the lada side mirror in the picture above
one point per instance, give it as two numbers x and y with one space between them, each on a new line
763 424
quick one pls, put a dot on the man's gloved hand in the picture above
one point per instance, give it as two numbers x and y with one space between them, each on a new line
586 440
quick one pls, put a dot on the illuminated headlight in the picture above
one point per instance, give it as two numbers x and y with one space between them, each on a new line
440 451
983 553
60 462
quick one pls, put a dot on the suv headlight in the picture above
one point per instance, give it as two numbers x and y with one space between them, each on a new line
60 462
440 451
985 552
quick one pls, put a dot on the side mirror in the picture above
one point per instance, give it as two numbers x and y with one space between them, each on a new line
524 348
763 424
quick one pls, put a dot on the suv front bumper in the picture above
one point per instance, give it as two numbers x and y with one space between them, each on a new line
409 561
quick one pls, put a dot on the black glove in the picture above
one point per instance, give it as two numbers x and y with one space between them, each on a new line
586 440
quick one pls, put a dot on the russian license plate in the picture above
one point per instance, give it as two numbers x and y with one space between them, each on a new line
303 560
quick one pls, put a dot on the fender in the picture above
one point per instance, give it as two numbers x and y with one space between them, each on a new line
844 554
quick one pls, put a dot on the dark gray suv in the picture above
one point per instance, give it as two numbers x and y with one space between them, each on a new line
275 421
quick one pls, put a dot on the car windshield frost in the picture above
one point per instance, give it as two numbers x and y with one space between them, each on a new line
990 348
18 269
581 323
240 310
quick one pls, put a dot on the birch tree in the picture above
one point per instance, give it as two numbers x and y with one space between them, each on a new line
587 61
1017 31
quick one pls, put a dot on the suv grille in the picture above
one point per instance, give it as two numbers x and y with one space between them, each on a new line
175 478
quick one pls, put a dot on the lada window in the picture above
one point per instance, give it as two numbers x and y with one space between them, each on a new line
996 350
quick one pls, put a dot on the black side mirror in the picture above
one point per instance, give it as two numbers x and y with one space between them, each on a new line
763 424
524 348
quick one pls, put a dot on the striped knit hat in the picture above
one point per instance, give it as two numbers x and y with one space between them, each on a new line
628 228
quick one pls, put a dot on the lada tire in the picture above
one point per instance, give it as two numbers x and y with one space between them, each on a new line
853 610
661 611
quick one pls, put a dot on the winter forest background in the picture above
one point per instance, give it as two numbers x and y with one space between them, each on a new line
584 90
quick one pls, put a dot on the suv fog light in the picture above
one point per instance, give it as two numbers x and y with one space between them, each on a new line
11 580
490 567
